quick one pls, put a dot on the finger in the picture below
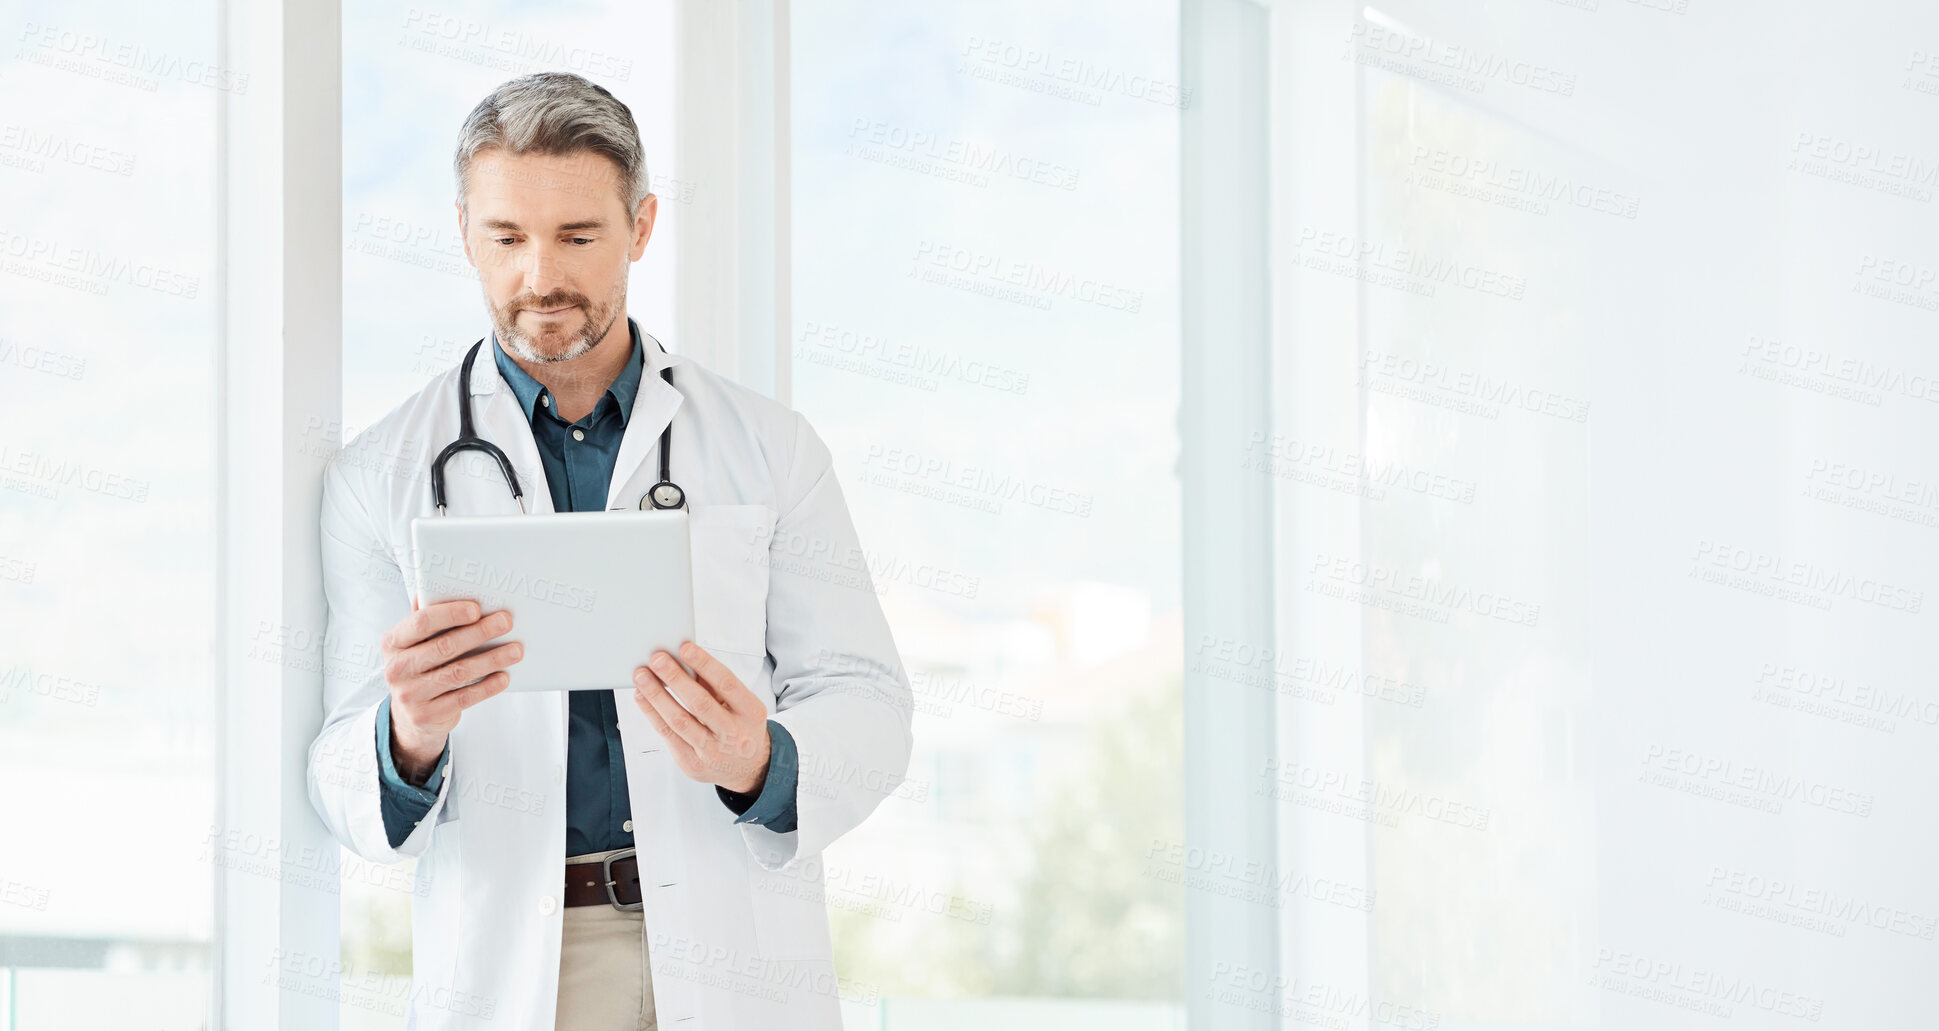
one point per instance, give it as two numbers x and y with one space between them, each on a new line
649 688
683 753
457 676
426 628
448 705
726 687
476 667
428 621
698 700
691 730
451 644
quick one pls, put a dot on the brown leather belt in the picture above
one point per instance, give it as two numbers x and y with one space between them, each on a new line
613 881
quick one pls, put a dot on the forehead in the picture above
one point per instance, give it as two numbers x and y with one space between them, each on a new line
573 186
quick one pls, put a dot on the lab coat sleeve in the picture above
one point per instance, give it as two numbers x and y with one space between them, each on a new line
840 689
364 595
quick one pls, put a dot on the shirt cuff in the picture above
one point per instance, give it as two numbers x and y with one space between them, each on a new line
773 807
402 802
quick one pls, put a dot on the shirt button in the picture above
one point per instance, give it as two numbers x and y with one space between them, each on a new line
627 826
578 434
548 905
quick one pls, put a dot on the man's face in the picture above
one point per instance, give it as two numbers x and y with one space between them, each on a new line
552 242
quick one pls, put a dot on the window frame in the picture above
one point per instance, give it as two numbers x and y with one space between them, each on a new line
732 256
1226 526
279 376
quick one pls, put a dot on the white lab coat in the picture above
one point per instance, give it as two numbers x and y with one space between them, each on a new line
735 925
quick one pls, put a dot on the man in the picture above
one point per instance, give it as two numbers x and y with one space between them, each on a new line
524 809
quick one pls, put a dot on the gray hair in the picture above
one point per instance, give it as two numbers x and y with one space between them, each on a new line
555 113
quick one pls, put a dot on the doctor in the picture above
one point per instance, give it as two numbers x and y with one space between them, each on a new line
645 856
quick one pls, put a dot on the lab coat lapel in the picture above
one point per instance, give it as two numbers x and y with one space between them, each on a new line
637 467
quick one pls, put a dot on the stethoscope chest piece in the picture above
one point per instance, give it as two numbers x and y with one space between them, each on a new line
664 495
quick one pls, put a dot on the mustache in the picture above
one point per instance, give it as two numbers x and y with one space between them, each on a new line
555 299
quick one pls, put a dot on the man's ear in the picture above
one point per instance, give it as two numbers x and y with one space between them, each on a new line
643 219
462 234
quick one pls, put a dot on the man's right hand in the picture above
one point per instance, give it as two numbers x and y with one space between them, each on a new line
430 686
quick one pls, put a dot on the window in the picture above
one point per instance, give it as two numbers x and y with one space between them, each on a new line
1579 352
987 339
107 511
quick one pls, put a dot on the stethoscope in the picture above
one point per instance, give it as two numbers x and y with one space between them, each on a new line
665 494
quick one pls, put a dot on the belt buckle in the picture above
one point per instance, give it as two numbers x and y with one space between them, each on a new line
606 876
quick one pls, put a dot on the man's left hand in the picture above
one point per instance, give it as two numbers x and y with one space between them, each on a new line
716 728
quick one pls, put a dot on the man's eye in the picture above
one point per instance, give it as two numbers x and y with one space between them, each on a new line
504 241
582 239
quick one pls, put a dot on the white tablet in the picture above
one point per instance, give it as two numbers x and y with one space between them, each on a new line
592 594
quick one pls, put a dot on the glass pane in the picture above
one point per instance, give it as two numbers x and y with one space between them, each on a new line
107 329
986 336
1602 429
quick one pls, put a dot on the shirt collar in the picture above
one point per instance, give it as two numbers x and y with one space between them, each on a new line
623 389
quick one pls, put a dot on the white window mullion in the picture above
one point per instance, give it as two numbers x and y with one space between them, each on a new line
1225 396
731 133
279 372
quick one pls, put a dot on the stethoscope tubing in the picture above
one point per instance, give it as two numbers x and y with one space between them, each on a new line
663 495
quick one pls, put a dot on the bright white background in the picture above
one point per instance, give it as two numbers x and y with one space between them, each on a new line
1601 371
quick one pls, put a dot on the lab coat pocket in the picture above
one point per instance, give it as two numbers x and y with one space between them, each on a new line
730 577
790 912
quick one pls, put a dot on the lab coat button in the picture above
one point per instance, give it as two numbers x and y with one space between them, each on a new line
548 905
558 775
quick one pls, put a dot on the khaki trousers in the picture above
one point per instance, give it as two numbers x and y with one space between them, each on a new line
605 983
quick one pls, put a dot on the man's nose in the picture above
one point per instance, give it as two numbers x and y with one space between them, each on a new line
545 270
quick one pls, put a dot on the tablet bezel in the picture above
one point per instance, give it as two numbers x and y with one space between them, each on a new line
587 590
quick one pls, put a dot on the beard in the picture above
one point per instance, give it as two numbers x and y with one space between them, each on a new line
557 342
